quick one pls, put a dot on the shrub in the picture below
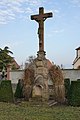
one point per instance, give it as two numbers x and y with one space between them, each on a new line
58 83
78 79
74 98
19 90
67 87
6 93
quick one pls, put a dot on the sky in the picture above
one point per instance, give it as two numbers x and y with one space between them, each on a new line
61 35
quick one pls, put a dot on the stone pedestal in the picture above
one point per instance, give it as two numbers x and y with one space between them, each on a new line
44 80
41 55
40 87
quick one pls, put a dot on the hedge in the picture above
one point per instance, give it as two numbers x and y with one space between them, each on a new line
19 90
67 87
6 93
74 96
78 79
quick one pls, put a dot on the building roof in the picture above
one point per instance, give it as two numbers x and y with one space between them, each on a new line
16 64
76 59
49 64
78 48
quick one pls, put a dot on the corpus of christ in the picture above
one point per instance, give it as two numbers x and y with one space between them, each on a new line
42 79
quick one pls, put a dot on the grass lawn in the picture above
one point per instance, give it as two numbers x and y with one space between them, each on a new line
29 111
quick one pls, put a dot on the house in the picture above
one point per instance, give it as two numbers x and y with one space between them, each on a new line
76 62
13 66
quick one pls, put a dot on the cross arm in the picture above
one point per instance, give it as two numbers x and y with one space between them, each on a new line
34 17
41 16
48 15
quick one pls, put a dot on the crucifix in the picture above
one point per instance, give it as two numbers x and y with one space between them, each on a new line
40 18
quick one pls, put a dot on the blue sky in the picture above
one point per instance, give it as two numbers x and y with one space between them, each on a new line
62 32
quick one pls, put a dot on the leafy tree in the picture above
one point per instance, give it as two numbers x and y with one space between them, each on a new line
5 57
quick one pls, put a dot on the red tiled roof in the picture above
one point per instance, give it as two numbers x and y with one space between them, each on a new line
15 63
49 64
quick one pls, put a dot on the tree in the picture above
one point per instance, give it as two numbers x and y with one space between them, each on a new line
31 59
5 58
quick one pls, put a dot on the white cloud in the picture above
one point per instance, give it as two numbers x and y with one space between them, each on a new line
56 11
10 9
12 44
34 2
5 16
58 31
75 3
28 10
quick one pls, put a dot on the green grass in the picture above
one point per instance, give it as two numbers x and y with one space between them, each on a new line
29 111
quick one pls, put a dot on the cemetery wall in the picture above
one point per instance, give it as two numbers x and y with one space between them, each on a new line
73 74
16 75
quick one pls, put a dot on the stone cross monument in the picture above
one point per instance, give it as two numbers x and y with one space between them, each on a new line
41 82
40 67
40 18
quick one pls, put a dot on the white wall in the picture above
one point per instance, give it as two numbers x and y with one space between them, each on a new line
73 74
78 53
16 75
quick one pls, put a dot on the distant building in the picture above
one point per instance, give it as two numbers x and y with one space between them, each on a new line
76 62
13 66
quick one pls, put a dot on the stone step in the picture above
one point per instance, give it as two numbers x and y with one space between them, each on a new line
52 103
